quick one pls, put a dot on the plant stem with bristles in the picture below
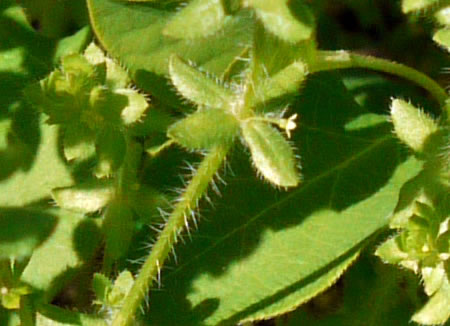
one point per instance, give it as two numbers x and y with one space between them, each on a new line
168 236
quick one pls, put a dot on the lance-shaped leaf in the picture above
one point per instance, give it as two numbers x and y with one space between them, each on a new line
412 126
204 129
199 18
87 197
272 155
286 81
278 18
197 87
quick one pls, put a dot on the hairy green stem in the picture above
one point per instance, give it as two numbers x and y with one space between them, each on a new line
331 60
168 237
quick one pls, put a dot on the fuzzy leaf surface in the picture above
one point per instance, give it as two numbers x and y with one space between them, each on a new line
284 248
197 87
272 155
205 129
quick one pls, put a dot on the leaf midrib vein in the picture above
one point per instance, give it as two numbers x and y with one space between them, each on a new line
316 179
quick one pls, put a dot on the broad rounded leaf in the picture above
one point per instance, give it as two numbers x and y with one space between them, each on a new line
133 33
267 252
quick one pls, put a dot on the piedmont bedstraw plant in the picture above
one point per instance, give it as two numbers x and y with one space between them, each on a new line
88 161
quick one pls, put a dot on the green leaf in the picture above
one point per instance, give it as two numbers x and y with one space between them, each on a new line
23 231
72 44
72 244
370 294
116 76
390 252
101 286
205 129
285 248
443 16
442 37
411 125
272 155
54 18
48 170
200 18
198 87
278 18
145 51
414 5
437 309
50 315
28 149
134 111
121 288
287 81
88 197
